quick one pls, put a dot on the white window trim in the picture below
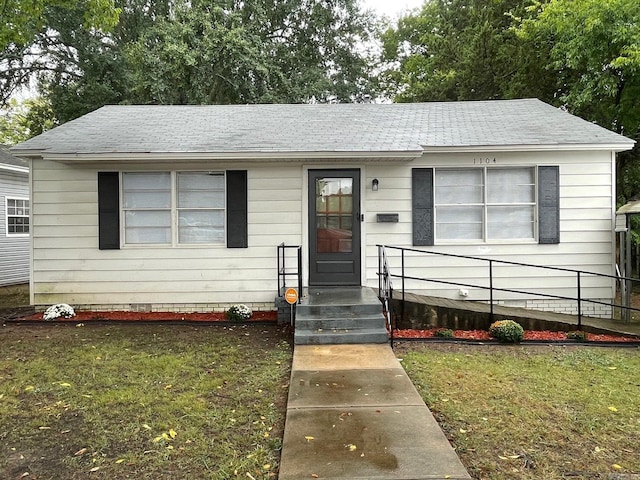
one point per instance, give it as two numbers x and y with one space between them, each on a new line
484 240
174 212
6 217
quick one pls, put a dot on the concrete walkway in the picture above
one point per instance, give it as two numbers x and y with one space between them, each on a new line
354 414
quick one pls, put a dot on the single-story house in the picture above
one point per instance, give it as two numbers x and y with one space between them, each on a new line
182 207
14 219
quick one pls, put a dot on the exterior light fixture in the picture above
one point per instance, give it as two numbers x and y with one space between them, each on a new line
374 184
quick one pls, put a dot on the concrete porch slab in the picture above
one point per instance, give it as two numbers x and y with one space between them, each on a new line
338 357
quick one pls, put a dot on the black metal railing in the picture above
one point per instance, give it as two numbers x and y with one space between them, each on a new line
287 270
385 276
385 289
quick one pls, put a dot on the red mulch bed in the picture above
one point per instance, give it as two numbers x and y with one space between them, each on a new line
483 335
84 316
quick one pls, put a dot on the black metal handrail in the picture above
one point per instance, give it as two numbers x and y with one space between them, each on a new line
285 270
490 275
385 289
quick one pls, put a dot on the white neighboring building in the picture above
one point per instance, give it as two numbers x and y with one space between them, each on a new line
182 207
14 219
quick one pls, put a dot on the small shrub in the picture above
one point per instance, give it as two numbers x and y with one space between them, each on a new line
577 335
444 333
238 313
57 311
506 331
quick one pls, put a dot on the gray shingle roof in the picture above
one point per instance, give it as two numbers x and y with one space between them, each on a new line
8 159
320 128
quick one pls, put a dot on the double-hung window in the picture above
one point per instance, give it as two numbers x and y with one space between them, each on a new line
485 204
173 207
17 216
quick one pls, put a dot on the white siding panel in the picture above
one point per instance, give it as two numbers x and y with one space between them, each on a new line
14 250
69 267
586 211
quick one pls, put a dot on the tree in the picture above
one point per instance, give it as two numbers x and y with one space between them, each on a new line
594 55
215 51
248 52
26 35
463 50
21 121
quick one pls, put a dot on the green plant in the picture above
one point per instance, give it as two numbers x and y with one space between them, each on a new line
444 333
238 313
506 331
578 335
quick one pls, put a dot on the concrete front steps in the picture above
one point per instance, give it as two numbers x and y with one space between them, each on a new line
340 315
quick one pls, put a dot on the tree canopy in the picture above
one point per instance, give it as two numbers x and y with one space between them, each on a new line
27 39
463 50
581 55
193 52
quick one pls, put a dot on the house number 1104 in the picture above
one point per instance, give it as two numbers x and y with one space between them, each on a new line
483 161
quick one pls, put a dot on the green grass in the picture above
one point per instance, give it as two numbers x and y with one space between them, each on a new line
142 401
13 296
534 412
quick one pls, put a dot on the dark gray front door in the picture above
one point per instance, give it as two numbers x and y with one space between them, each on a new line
334 227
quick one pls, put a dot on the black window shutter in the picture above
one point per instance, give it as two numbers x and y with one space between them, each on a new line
108 210
237 232
422 205
548 204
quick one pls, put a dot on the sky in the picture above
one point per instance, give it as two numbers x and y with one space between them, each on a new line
391 8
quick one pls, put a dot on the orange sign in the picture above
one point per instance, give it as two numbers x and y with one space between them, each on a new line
291 295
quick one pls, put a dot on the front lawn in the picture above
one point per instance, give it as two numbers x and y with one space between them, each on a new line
142 401
516 412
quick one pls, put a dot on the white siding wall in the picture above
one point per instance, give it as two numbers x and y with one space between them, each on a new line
68 266
586 239
14 250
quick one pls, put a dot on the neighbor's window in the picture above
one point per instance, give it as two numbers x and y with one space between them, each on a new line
17 216
485 204
149 208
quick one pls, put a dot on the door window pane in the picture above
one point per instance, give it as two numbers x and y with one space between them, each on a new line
334 213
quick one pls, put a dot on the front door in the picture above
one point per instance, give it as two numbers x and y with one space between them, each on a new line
334 227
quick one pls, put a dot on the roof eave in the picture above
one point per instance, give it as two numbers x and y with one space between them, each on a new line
250 156
616 147
14 168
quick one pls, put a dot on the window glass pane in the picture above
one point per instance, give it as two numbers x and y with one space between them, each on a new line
17 216
459 186
201 226
147 190
200 190
147 227
510 222
510 185
333 203
459 223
